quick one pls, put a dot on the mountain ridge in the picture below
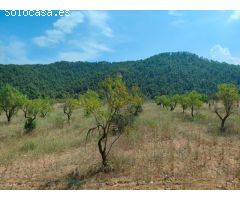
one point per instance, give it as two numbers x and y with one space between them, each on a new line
164 73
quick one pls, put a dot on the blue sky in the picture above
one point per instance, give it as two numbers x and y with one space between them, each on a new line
119 36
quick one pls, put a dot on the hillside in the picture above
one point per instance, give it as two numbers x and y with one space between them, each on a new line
165 73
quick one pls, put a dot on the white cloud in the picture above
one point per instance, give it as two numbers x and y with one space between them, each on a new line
61 27
79 45
234 16
13 53
99 19
87 51
51 38
68 23
73 44
223 54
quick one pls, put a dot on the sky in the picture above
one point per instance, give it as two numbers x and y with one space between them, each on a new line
119 36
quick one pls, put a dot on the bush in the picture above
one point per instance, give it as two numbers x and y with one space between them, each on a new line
59 122
30 125
28 146
135 109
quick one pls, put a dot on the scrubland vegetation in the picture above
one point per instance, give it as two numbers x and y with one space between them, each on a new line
166 73
112 139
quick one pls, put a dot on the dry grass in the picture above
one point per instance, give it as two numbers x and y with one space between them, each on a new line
164 150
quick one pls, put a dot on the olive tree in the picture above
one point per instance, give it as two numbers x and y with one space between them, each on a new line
11 101
112 115
228 94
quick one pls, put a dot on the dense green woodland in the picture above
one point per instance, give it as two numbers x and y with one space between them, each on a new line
162 74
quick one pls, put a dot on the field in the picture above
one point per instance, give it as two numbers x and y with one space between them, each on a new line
163 150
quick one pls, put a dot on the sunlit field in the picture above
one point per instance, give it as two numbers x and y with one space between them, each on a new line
162 150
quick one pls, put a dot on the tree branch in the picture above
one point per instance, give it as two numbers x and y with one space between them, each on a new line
218 114
113 143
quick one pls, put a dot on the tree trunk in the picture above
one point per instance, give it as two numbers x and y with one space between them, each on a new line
192 111
69 118
102 151
223 119
9 116
25 113
104 159
223 123
8 119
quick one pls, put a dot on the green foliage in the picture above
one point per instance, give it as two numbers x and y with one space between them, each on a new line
114 114
69 106
59 121
46 107
90 102
169 102
174 100
115 92
228 94
205 98
194 101
163 101
163 74
137 99
11 101
183 101
31 109
30 125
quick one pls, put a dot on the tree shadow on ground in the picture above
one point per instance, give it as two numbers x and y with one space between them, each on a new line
72 181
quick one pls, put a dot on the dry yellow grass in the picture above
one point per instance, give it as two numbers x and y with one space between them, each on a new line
164 150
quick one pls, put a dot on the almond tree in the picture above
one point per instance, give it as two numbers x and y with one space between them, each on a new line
69 106
46 107
31 109
228 94
183 101
11 101
194 101
112 115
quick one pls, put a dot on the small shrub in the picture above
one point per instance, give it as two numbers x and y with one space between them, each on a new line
30 125
28 146
59 122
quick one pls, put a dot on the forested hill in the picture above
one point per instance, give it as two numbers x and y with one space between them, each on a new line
165 73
